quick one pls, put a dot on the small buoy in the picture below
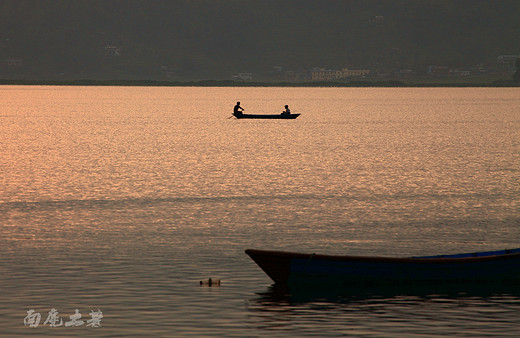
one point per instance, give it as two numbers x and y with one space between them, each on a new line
210 282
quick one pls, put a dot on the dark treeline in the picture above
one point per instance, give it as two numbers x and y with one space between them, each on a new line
213 39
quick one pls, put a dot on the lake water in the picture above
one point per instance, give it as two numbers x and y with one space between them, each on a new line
121 199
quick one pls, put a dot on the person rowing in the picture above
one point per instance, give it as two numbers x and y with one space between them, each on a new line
238 110
287 111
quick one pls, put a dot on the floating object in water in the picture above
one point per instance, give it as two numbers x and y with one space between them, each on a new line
210 282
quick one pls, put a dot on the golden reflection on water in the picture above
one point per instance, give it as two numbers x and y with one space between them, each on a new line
80 143
396 154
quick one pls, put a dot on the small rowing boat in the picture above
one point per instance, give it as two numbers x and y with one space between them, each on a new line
266 116
290 268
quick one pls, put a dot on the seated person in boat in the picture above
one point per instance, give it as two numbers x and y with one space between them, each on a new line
287 111
238 110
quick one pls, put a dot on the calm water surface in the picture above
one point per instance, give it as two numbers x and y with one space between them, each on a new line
123 199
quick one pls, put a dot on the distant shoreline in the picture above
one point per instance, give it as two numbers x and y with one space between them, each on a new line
231 83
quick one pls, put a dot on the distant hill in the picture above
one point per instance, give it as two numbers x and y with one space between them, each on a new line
214 39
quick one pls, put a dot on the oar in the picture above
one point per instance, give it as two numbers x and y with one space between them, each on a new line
233 115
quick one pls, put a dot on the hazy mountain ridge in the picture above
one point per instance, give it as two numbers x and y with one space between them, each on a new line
183 39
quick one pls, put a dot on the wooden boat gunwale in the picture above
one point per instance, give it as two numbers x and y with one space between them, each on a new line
419 259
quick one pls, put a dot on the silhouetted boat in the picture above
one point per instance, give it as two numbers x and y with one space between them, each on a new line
311 269
267 116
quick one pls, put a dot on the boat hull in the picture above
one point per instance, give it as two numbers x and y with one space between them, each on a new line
310 269
267 116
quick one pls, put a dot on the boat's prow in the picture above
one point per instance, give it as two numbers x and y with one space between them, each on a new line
276 264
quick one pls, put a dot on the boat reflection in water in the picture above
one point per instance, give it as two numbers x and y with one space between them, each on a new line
279 295
384 310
